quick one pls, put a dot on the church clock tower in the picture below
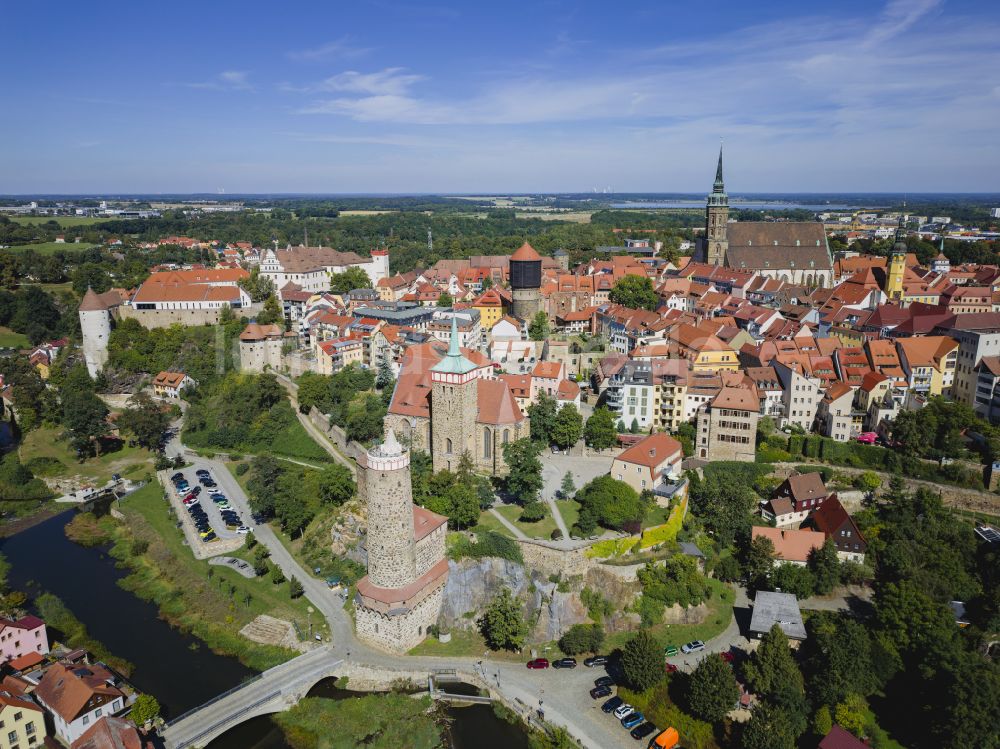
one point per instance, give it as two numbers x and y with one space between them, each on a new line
716 217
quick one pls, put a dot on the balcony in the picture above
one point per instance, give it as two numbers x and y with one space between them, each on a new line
670 489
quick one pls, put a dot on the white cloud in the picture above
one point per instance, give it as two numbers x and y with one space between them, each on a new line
339 49
231 80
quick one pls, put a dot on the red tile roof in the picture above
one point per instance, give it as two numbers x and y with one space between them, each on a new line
525 252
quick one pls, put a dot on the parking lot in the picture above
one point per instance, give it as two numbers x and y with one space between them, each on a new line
211 522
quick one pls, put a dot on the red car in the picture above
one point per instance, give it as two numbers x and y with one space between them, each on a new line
867 438
728 657
669 667
538 663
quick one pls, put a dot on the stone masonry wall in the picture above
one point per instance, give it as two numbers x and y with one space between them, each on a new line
402 632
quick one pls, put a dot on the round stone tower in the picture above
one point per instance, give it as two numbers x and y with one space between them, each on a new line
391 548
526 282
95 325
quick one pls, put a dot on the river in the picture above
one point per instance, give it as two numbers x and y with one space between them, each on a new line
176 668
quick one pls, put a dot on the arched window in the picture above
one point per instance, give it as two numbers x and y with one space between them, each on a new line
447 446
487 443
506 436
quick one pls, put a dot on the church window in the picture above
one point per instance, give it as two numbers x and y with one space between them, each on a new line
447 446
506 436
487 443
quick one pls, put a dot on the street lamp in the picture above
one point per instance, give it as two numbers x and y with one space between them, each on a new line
309 611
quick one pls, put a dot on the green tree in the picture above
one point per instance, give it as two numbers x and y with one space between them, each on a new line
567 488
635 292
758 560
852 714
502 624
277 576
791 578
582 638
336 485
542 418
294 587
352 278
145 709
365 418
271 313
524 477
538 330
90 275
257 286
642 661
822 721
771 666
85 416
313 390
712 689
825 567
532 512
768 728
145 420
568 427
610 503
600 432
383 376
445 300
868 482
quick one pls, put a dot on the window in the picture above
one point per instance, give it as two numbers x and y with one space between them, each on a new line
29 728
18 715
86 719
98 713
447 446
12 736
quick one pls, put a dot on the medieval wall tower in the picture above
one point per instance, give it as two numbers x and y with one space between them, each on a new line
402 593
526 282
716 218
454 406
95 325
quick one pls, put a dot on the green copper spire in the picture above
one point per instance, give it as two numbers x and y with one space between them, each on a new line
900 245
453 349
454 362
719 187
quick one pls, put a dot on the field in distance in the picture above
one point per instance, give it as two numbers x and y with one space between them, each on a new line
50 248
67 221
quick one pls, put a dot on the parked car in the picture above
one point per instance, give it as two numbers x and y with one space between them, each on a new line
612 704
210 536
177 476
728 657
597 692
622 710
669 667
670 651
538 663
631 721
596 660
867 438
641 732
243 530
604 681
564 663
693 647
203 472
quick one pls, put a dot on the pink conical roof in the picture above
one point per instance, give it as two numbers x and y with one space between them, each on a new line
526 252
91 302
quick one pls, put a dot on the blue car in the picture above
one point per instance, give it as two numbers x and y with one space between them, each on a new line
633 719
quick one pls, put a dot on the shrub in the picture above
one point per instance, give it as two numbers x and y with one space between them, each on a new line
582 638
241 468
488 544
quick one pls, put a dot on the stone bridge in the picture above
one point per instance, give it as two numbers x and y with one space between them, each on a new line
272 691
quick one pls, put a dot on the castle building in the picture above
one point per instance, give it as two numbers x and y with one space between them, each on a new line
448 403
795 252
526 281
309 268
402 593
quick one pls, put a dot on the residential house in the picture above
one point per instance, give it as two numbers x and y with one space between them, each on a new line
337 353
727 427
77 696
832 520
928 363
22 722
770 608
840 738
21 637
834 415
545 378
653 463
790 546
799 495
112 733
631 394
170 384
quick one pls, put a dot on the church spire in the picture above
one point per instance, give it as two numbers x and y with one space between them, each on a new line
453 349
719 186
454 362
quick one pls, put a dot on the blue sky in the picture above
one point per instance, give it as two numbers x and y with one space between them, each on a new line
396 96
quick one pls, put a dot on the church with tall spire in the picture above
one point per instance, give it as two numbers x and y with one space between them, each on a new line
793 251
449 403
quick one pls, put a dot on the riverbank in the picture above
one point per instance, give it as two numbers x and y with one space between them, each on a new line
211 602
74 633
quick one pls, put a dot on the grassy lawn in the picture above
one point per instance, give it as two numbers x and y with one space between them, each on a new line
62 220
570 511
213 608
657 516
489 522
464 642
542 529
292 442
10 339
48 456
51 248
720 613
